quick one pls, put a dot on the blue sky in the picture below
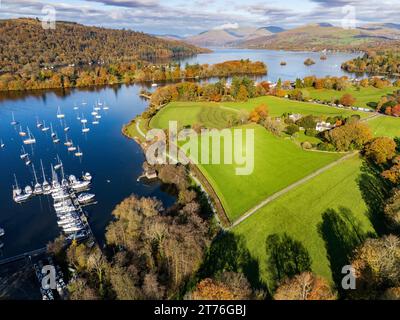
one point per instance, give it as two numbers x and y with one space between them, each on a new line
186 17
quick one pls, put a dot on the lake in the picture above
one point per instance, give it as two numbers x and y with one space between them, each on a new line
114 161
295 67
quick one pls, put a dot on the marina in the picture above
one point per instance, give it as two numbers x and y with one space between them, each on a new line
27 207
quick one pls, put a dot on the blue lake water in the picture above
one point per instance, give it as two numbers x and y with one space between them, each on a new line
114 161
295 67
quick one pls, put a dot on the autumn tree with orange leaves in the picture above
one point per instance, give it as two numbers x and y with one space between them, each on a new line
305 286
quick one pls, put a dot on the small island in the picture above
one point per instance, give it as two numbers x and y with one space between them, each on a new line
309 62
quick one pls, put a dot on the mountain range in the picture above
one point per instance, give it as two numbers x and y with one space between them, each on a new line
317 36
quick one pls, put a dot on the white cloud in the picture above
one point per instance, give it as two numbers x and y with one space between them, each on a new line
227 26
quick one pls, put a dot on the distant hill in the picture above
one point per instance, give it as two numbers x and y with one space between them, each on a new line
26 46
325 36
230 36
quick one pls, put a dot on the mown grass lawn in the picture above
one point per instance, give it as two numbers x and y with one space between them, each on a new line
363 96
278 163
385 126
299 213
217 115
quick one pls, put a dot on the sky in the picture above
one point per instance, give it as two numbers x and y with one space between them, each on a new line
189 17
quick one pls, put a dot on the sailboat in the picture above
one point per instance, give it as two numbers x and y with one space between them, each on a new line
79 153
59 164
94 113
59 114
23 155
83 120
18 196
64 182
45 185
84 129
27 161
13 121
105 107
95 121
30 139
71 147
66 128
38 123
53 134
2 145
44 128
56 185
37 189
98 116
67 143
22 133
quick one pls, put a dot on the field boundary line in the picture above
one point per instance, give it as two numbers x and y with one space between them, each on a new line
280 193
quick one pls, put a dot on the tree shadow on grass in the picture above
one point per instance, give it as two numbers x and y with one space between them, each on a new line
229 252
375 191
342 233
286 258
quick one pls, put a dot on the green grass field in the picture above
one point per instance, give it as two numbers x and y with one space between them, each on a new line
385 126
217 115
299 212
363 96
278 163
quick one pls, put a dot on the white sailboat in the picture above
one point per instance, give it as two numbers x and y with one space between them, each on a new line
95 121
21 132
37 189
13 121
79 153
66 128
67 143
84 129
39 125
53 134
31 139
2 145
18 196
24 154
27 161
83 119
106 107
45 185
59 164
44 128
71 147
59 114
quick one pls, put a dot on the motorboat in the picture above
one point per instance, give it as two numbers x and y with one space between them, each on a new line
87 176
85 197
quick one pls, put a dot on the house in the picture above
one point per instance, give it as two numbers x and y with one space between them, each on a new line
295 117
324 126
